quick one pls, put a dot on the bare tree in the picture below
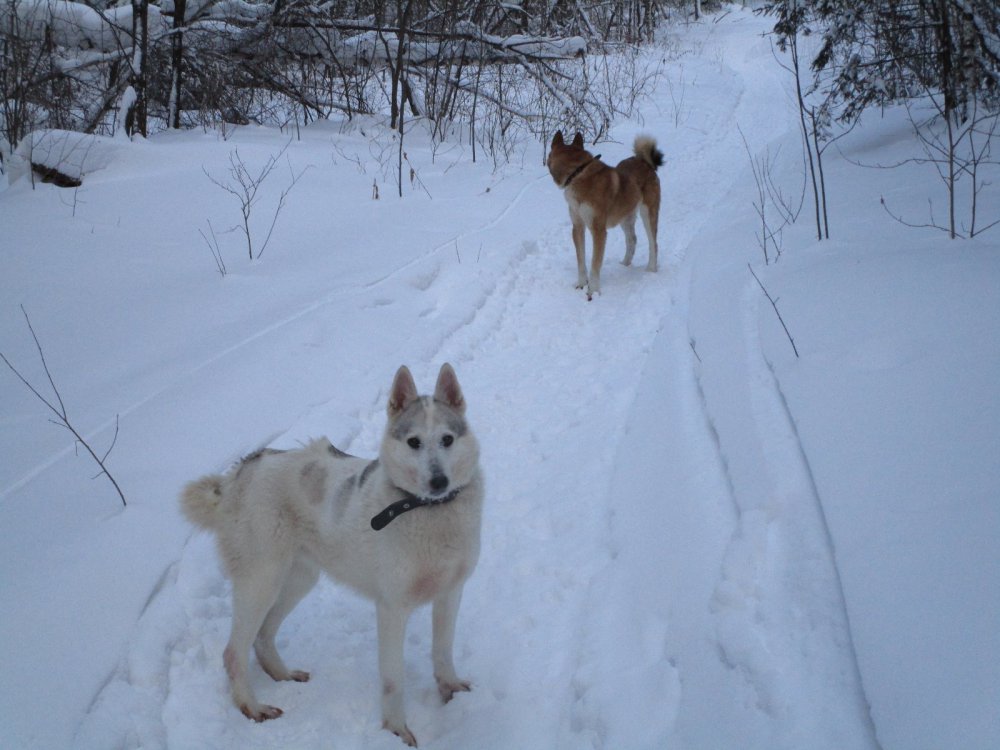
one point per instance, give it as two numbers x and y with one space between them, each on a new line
942 52
244 185
960 153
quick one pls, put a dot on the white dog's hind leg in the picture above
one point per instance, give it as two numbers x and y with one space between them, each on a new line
300 582
254 593
443 617
391 632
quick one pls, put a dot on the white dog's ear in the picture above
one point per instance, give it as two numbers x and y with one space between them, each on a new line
403 392
448 391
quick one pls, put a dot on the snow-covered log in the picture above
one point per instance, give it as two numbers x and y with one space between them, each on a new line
73 25
62 157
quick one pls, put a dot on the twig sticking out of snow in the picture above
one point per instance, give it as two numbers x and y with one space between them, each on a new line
59 409
774 304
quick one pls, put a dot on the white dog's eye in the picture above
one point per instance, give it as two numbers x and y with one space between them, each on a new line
414 442
447 440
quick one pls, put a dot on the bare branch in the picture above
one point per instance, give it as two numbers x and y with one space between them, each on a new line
774 304
60 411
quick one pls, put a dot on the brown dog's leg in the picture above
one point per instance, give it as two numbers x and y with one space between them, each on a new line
600 232
628 226
650 213
649 220
579 238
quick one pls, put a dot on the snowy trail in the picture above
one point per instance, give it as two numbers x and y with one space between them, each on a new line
778 607
743 515
674 589
531 543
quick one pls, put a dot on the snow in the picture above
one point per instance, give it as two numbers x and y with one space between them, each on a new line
692 538
75 24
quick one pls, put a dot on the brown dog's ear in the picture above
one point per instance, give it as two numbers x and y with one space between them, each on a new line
448 390
578 140
403 393
557 139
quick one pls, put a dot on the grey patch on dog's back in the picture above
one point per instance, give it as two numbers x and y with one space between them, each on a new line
366 472
258 453
337 453
343 495
252 457
313 478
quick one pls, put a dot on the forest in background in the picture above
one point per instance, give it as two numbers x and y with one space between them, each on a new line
486 72
478 65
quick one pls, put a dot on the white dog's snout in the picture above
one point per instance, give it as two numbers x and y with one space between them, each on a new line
439 482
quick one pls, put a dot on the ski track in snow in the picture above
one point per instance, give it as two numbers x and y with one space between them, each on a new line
763 548
421 282
779 608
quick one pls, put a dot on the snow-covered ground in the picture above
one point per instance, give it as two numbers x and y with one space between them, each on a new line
692 539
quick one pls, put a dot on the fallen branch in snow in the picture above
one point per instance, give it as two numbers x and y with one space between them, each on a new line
59 409
774 304
931 224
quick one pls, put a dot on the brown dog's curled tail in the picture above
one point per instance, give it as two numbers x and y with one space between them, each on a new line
645 148
201 501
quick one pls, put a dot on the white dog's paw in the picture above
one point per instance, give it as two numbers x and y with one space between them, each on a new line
402 731
259 712
651 267
448 688
285 675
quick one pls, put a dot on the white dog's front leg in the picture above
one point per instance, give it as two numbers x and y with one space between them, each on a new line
391 633
443 617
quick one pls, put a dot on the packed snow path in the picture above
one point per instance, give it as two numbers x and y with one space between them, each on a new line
657 570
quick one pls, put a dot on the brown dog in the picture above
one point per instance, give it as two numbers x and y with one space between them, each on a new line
600 196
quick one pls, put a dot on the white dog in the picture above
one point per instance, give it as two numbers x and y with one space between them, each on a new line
402 530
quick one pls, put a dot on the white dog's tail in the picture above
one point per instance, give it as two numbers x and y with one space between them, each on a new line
201 501
645 148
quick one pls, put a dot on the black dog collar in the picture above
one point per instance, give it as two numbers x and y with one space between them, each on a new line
408 503
579 169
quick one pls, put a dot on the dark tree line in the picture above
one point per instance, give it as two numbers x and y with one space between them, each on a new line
98 66
892 50
939 58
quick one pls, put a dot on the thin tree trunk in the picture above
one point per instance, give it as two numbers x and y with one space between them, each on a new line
177 63
794 47
136 121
